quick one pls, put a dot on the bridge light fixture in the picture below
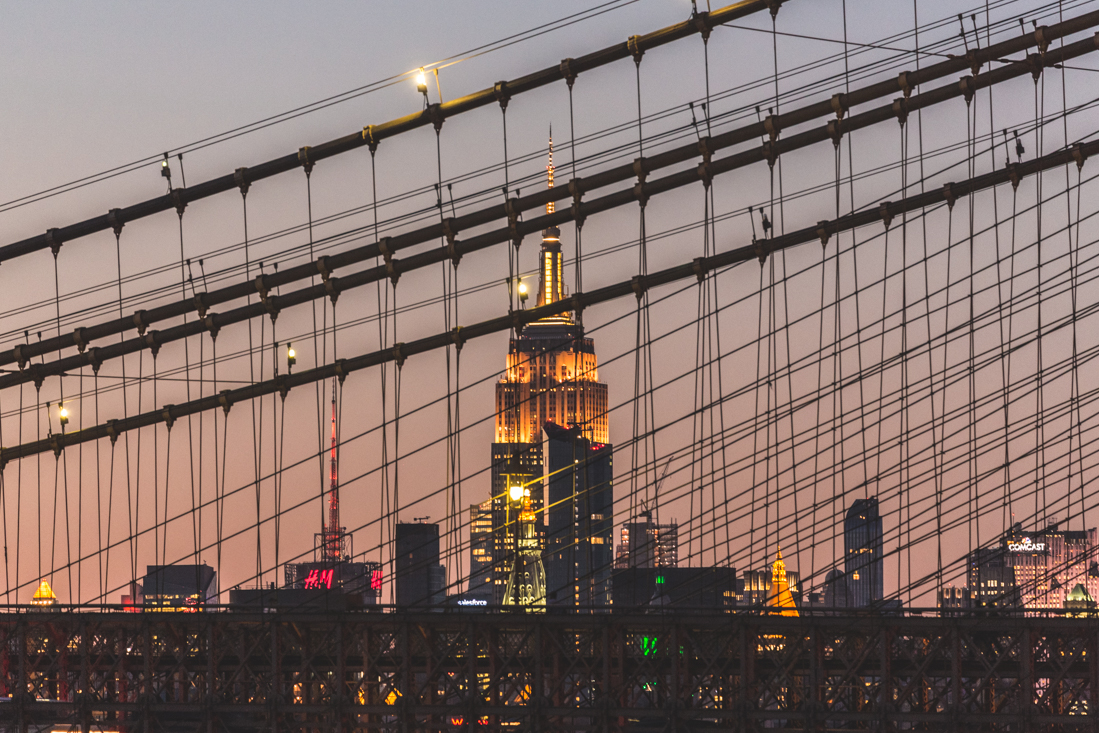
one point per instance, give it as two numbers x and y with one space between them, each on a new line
515 492
291 356
164 169
522 292
421 82
62 414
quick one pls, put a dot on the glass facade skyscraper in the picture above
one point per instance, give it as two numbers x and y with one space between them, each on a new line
863 563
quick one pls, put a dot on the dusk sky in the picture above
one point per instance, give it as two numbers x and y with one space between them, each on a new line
98 87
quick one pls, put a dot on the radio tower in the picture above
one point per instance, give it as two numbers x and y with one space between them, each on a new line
333 533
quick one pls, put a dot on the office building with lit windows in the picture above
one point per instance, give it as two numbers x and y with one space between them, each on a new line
863 563
579 491
648 544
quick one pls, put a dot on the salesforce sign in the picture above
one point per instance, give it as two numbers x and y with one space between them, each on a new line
1026 545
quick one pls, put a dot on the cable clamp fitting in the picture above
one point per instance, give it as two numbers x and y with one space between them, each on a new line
212 326
139 321
53 239
501 93
434 113
112 431
576 188
323 269
835 131
305 160
398 356
260 284
771 152
905 83
94 359
151 340
225 400
886 216
705 149
761 250
1037 66
166 413
701 22
1041 38
114 218
839 105
272 307
368 135
179 200
566 72
771 126
17 352
240 176
341 369
57 442
578 304
706 173
457 338
1079 155
391 265
1013 174
641 169
900 110
450 232
637 284
332 287
79 340
37 376
774 5
974 59
640 195
384 249
515 216
948 195
822 232
967 87
699 267
200 304
283 387
634 46
518 322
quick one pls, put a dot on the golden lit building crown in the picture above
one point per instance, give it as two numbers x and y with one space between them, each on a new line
552 372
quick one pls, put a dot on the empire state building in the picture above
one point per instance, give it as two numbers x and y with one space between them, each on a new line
551 376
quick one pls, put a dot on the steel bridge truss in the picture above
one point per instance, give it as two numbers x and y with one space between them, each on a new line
607 672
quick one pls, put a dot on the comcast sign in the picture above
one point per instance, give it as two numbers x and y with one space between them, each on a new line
1025 545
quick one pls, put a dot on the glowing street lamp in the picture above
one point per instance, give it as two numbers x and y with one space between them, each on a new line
421 82
62 414
522 292
291 357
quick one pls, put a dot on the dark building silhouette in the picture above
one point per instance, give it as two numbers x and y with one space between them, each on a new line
178 587
421 580
680 588
863 562
580 495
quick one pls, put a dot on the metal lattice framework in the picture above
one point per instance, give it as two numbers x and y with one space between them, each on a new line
608 672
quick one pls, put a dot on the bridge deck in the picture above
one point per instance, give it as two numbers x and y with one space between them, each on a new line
613 672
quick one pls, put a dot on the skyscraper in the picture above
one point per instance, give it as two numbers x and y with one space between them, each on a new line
863 562
420 579
646 544
551 375
579 537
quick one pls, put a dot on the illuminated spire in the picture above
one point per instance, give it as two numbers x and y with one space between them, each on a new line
781 597
549 172
44 596
333 532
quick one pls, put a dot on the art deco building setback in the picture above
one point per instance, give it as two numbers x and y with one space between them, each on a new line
551 376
